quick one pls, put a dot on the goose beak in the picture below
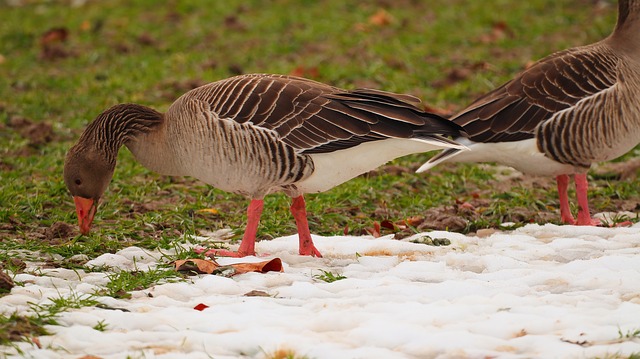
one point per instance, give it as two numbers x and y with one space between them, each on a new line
86 209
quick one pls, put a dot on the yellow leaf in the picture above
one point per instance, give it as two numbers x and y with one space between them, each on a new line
208 210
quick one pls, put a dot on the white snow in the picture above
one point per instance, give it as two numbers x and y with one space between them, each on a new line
535 292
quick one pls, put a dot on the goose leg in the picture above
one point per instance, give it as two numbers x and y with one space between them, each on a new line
584 218
299 212
565 210
248 244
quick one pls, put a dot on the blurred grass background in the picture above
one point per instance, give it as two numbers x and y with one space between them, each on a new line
63 62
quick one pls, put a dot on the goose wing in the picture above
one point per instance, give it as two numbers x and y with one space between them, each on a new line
313 117
556 83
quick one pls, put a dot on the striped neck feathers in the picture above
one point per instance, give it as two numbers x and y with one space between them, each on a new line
117 125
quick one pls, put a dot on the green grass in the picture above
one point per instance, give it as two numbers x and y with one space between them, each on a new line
25 327
328 276
122 282
151 52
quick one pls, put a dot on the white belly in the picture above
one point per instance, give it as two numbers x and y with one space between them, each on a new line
332 169
521 155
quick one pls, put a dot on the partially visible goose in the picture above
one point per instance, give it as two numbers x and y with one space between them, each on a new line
568 110
253 135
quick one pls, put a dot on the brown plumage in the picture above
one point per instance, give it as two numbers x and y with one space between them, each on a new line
568 110
253 135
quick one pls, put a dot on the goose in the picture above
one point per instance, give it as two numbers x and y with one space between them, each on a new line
256 134
565 112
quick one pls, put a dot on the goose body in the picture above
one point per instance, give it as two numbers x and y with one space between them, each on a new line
565 112
254 135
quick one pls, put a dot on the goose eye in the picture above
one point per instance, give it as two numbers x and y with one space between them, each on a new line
78 181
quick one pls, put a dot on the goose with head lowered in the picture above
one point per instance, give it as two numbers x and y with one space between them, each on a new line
254 135
565 112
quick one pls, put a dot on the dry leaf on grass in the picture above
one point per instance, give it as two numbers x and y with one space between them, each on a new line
211 267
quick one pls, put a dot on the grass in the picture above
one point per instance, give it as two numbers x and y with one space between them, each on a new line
328 276
27 327
151 52
121 283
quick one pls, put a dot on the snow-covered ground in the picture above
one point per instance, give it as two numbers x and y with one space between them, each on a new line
536 292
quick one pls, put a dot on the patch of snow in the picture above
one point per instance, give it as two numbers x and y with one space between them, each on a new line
539 291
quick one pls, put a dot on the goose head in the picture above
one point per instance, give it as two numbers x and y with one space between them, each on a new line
87 174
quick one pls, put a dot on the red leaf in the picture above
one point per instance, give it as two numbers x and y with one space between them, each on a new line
56 34
375 231
201 307
308 72
388 224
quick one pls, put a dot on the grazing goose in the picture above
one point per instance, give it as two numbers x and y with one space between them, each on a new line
568 110
253 135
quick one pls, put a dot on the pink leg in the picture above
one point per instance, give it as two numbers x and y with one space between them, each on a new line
565 210
248 244
584 218
299 212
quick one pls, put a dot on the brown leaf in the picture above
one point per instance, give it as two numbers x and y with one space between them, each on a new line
414 221
85 25
308 72
375 231
51 44
381 18
499 31
387 224
198 265
54 35
146 39
211 267
256 293
232 22
6 282
274 265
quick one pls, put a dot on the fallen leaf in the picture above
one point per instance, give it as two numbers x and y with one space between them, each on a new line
499 30
208 210
256 293
388 224
6 283
85 25
201 307
197 265
375 231
146 40
54 35
232 22
414 221
36 341
274 265
308 72
212 267
381 18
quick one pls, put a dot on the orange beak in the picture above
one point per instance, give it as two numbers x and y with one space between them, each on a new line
86 209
